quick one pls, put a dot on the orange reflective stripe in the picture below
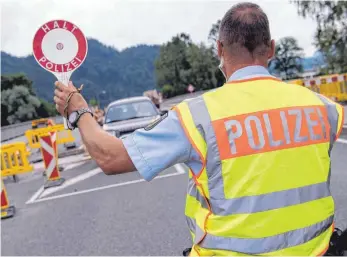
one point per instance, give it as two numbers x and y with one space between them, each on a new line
252 79
271 130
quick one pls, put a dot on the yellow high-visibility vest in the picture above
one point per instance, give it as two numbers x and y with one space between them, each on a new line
264 186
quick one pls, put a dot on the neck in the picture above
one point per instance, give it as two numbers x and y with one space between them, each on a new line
231 68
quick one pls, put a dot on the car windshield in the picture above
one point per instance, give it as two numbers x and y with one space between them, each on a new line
130 111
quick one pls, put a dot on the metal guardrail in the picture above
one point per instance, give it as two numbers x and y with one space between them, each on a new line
16 130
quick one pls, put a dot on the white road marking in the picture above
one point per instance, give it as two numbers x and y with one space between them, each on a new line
72 181
343 141
72 165
180 169
35 196
106 187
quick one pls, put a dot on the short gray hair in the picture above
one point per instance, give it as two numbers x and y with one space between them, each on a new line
246 25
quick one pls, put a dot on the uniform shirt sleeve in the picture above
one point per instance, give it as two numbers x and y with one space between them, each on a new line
154 150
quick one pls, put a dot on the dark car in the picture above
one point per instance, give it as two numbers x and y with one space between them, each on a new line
125 116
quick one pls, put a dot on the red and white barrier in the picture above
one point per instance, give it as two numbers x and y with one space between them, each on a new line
50 158
319 81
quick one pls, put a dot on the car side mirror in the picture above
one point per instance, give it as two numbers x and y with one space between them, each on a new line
164 112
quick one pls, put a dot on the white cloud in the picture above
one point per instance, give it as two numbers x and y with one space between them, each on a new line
126 23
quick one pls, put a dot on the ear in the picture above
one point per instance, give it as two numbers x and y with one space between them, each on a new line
219 49
272 49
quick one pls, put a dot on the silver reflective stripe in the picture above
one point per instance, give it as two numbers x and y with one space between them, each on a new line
193 191
201 118
333 118
265 202
191 224
258 203
266 244
191 187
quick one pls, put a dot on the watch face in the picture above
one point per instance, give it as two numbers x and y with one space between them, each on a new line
72 117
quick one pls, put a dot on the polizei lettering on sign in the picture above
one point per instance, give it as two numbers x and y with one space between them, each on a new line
75 59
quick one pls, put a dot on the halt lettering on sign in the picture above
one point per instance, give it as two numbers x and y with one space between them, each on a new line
76 59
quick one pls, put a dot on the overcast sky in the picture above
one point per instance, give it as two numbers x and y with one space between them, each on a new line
126 23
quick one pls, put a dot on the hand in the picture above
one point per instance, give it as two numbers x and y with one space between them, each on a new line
61 94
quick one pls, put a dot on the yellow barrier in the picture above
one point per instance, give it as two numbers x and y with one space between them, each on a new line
36 123
14 159
329 86
63 136
332 86
299 82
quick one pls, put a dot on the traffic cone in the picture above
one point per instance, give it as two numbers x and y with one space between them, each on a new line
50 159
7 211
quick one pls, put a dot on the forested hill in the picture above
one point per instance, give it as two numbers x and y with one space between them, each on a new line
107 74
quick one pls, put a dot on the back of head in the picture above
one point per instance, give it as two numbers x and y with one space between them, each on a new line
244 29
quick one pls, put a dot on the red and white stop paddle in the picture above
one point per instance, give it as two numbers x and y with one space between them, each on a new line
60 47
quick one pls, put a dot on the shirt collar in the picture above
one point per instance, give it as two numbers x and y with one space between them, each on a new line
250 72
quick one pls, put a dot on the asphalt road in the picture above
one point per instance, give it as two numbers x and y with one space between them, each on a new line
133 219
116 215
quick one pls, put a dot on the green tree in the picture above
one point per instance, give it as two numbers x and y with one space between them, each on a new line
19 102
331 34
288 58
168 91
21 105
8 82
172 62
202 70
181 62
212 38
93 102
213 34
47 107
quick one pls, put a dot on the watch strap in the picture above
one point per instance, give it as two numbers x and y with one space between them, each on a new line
80 112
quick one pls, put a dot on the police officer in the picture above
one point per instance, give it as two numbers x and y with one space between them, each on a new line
258 150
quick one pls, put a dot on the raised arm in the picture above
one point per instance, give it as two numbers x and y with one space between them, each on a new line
107 150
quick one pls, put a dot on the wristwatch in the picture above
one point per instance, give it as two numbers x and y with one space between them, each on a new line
75 116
